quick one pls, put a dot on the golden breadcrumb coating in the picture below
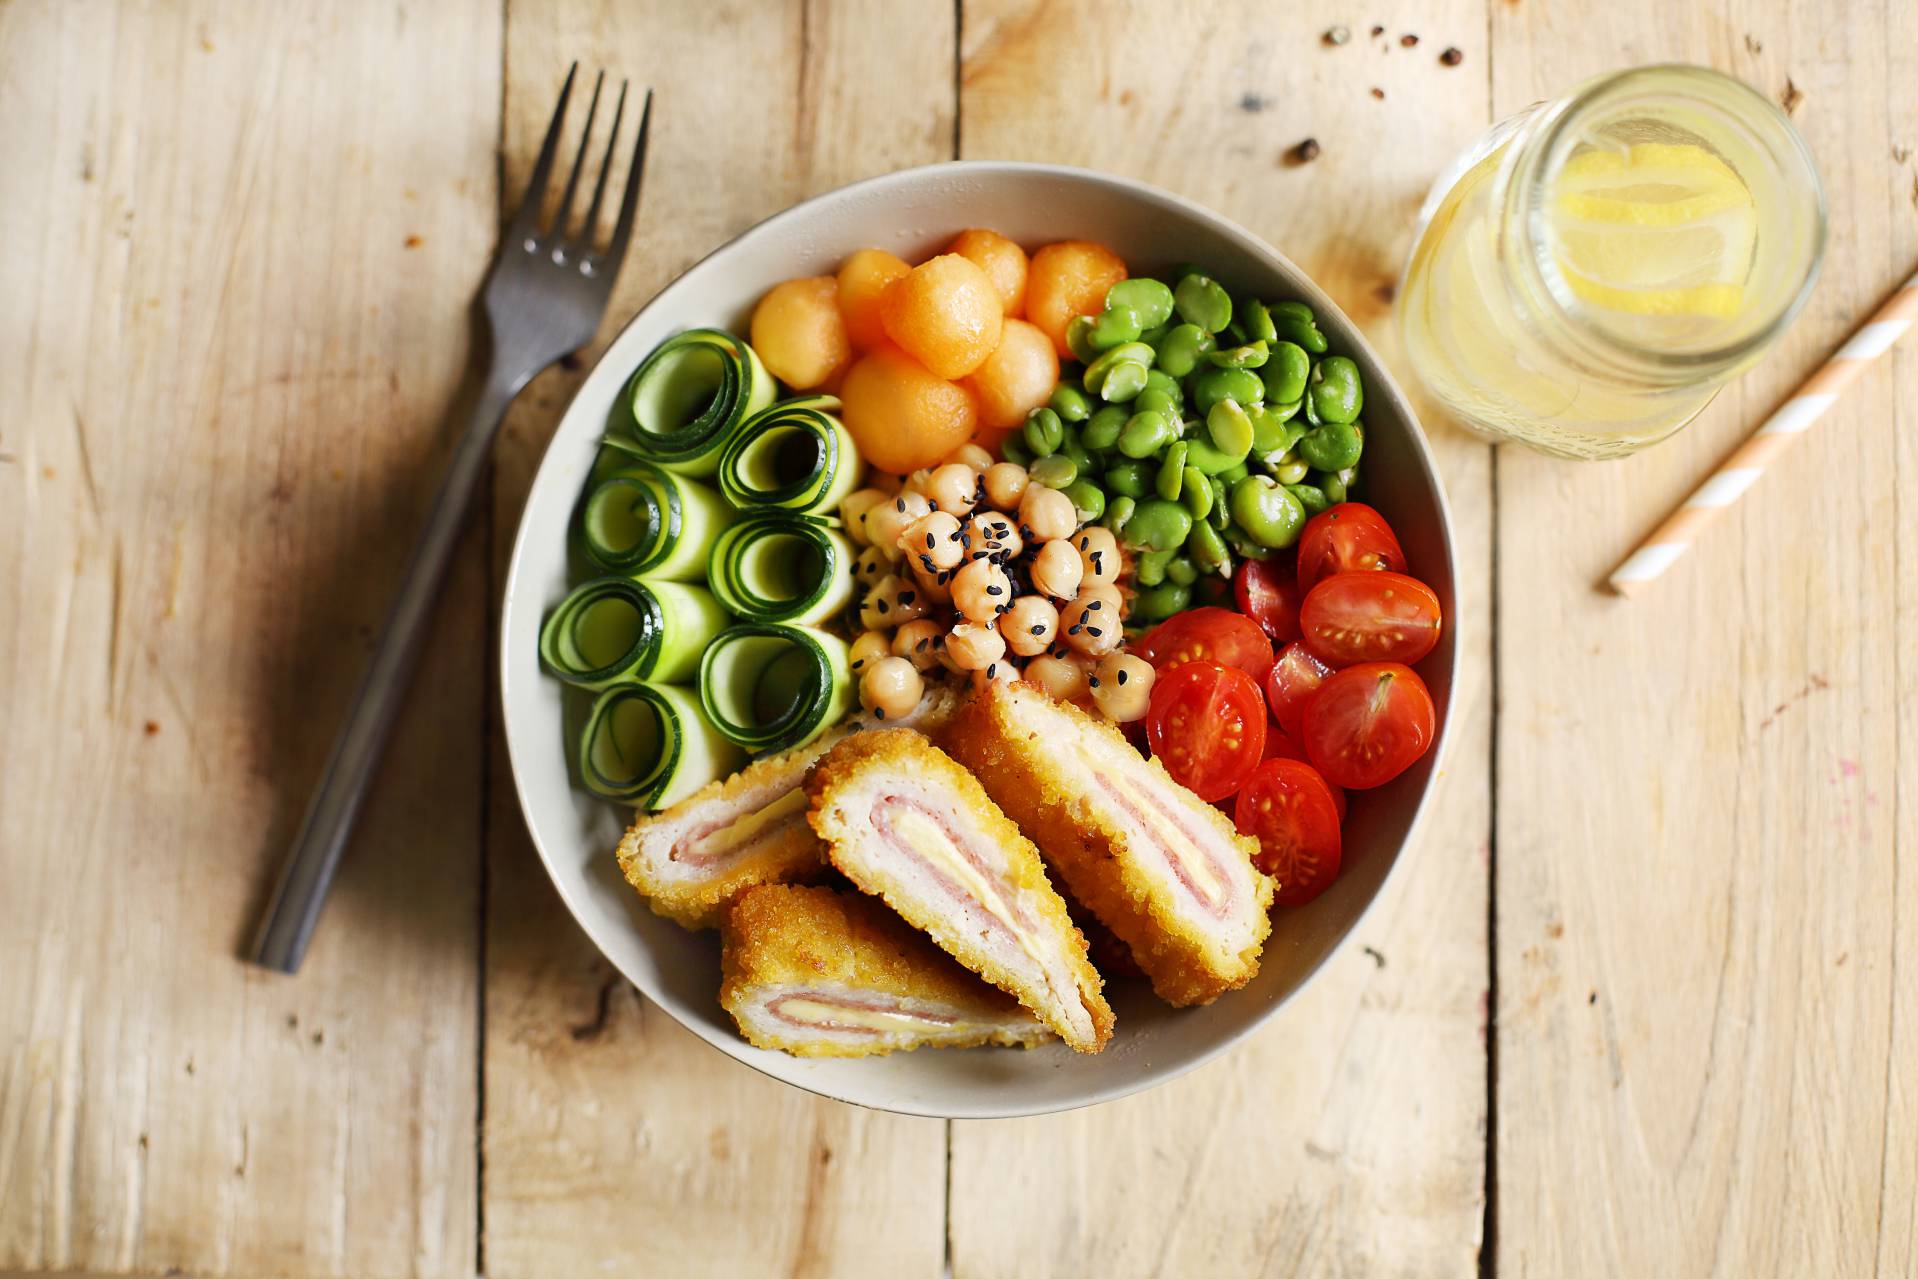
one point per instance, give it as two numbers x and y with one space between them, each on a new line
783 937
906 753
1020 767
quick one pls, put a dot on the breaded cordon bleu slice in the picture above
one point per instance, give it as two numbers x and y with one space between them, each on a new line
690 860
821 973
904 822
1160 867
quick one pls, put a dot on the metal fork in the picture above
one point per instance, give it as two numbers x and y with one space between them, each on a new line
543 298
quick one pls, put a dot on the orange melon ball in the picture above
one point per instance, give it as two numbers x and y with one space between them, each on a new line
798 332
1016 378
1003 262
901 415
1067 279
945 313
862 279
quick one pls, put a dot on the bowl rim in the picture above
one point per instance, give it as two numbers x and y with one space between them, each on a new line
1248 242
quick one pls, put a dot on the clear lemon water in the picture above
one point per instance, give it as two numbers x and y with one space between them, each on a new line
1589 275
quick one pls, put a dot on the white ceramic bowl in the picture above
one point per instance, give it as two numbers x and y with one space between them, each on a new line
912 213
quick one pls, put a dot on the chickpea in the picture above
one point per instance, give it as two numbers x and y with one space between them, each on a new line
1111 600
973 646
973 456
1062 679
914 642
1005 485
953 488
891 688
886 522
994 673
933 542
1056 569
871 565
892 602
1091 625
853 512
980 590
1099 553
917 481
1122 687
1029 625
869 648
934 585
994 533
1047 513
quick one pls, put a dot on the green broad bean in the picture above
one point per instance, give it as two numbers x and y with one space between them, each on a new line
1156 400
1220 516
1195 493
1331 447
1182 570
1171 477
1230 428
1210 461
1207 548
1054 472
1235 334
1202 301
1118 510
1087 499
1294 322
1310 496
1158 524
1266 512
1114 325
1149 568
1152 336
1245 547
1125 353
1336 485
1182 347
1123 382
1130 479
1043 432
1287 373
1268 430
1232 475
1337 394
1014 449
1291 469
1101 430
1079 339
1251 355
1148 432
1070 403
1071 448
1164 383
1146 298
1160 602
1210 385
1258 321
1184 269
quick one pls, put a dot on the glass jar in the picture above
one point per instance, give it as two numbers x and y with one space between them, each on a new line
1595 268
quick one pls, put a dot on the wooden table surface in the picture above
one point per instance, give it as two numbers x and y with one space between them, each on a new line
1642 1000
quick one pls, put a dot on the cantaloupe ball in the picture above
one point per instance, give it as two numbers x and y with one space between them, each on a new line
1003 262
900 414
1016 378
945 313
862 278
1067 279
798 332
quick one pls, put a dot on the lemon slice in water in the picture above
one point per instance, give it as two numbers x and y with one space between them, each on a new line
1658 229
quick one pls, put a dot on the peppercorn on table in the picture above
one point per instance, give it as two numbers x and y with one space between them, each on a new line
1642 999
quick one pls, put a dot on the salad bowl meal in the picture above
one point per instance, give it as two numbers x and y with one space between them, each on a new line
978 641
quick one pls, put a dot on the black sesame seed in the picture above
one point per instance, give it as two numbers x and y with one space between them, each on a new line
995 590
907 597
900 504
884 607
992 668
879 712
1075 628
1039 630
1085 542
1122 677
920 647
1094 681
1093 605
929 541
1093 630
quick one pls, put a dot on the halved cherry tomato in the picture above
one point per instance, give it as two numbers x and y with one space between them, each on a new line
1294 678
1368 723
1347 538
1289 809
1279 745
1267 593
1207 726
1207 634
1370 617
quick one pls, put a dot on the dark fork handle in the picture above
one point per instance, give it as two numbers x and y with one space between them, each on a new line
315 855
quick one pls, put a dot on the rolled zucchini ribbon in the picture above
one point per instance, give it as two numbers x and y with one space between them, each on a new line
615 629
652 745
690 396
640 518
775 567
797 456
770 687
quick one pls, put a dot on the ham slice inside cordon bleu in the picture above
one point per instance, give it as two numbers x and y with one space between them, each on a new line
1163 869
819 973
903 821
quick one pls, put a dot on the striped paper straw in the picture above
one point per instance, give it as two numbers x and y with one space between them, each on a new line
1793 418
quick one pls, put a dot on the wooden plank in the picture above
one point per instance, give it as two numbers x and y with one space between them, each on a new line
1702 1000
611 1133
1348 1135
224 387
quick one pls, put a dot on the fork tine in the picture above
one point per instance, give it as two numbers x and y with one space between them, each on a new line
579 162
630 202
526 220
589 230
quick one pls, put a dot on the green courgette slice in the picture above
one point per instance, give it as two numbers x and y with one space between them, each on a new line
796 456
616 629
782 568
686 401
770 687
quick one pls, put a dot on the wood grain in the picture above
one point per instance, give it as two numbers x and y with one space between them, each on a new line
1347 1136
1699 818
224 386
611 1133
